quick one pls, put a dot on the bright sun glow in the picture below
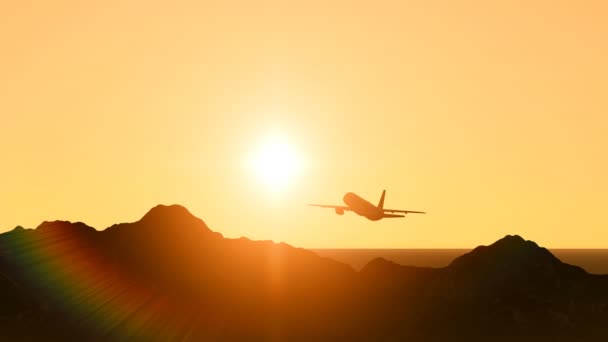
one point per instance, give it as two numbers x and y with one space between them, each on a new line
276 164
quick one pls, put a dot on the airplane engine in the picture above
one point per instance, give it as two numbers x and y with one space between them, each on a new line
339 211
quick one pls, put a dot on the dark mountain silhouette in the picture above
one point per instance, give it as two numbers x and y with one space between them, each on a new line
169 277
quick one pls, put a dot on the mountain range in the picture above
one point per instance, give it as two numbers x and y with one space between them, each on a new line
169 277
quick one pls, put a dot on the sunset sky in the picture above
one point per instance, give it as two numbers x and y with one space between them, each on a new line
492 116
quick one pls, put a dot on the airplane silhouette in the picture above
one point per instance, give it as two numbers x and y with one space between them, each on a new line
362 207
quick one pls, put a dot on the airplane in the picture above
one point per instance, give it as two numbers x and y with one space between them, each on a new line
362 207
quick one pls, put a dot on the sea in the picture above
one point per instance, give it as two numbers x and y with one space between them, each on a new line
592 260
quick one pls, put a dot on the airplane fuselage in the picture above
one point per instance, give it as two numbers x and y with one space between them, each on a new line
362 207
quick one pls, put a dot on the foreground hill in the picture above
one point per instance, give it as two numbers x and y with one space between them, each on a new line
169 277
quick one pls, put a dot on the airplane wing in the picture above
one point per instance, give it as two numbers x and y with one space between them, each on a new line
403 211
392 216
330 206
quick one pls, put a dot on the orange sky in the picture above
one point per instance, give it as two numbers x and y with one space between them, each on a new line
490 115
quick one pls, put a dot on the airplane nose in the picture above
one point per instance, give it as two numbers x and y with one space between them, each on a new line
347 196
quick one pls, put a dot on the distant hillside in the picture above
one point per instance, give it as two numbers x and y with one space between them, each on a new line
169 277
591 260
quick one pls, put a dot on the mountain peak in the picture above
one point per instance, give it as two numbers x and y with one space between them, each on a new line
511 254
63 226
514 241
18 229
163 221
171 217
167 212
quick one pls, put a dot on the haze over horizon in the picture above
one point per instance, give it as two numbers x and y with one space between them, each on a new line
491 117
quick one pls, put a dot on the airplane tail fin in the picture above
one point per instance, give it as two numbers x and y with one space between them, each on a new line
381 203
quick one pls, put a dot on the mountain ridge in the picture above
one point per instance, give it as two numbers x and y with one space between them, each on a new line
170 267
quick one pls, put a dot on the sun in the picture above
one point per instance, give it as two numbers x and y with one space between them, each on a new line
276 163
